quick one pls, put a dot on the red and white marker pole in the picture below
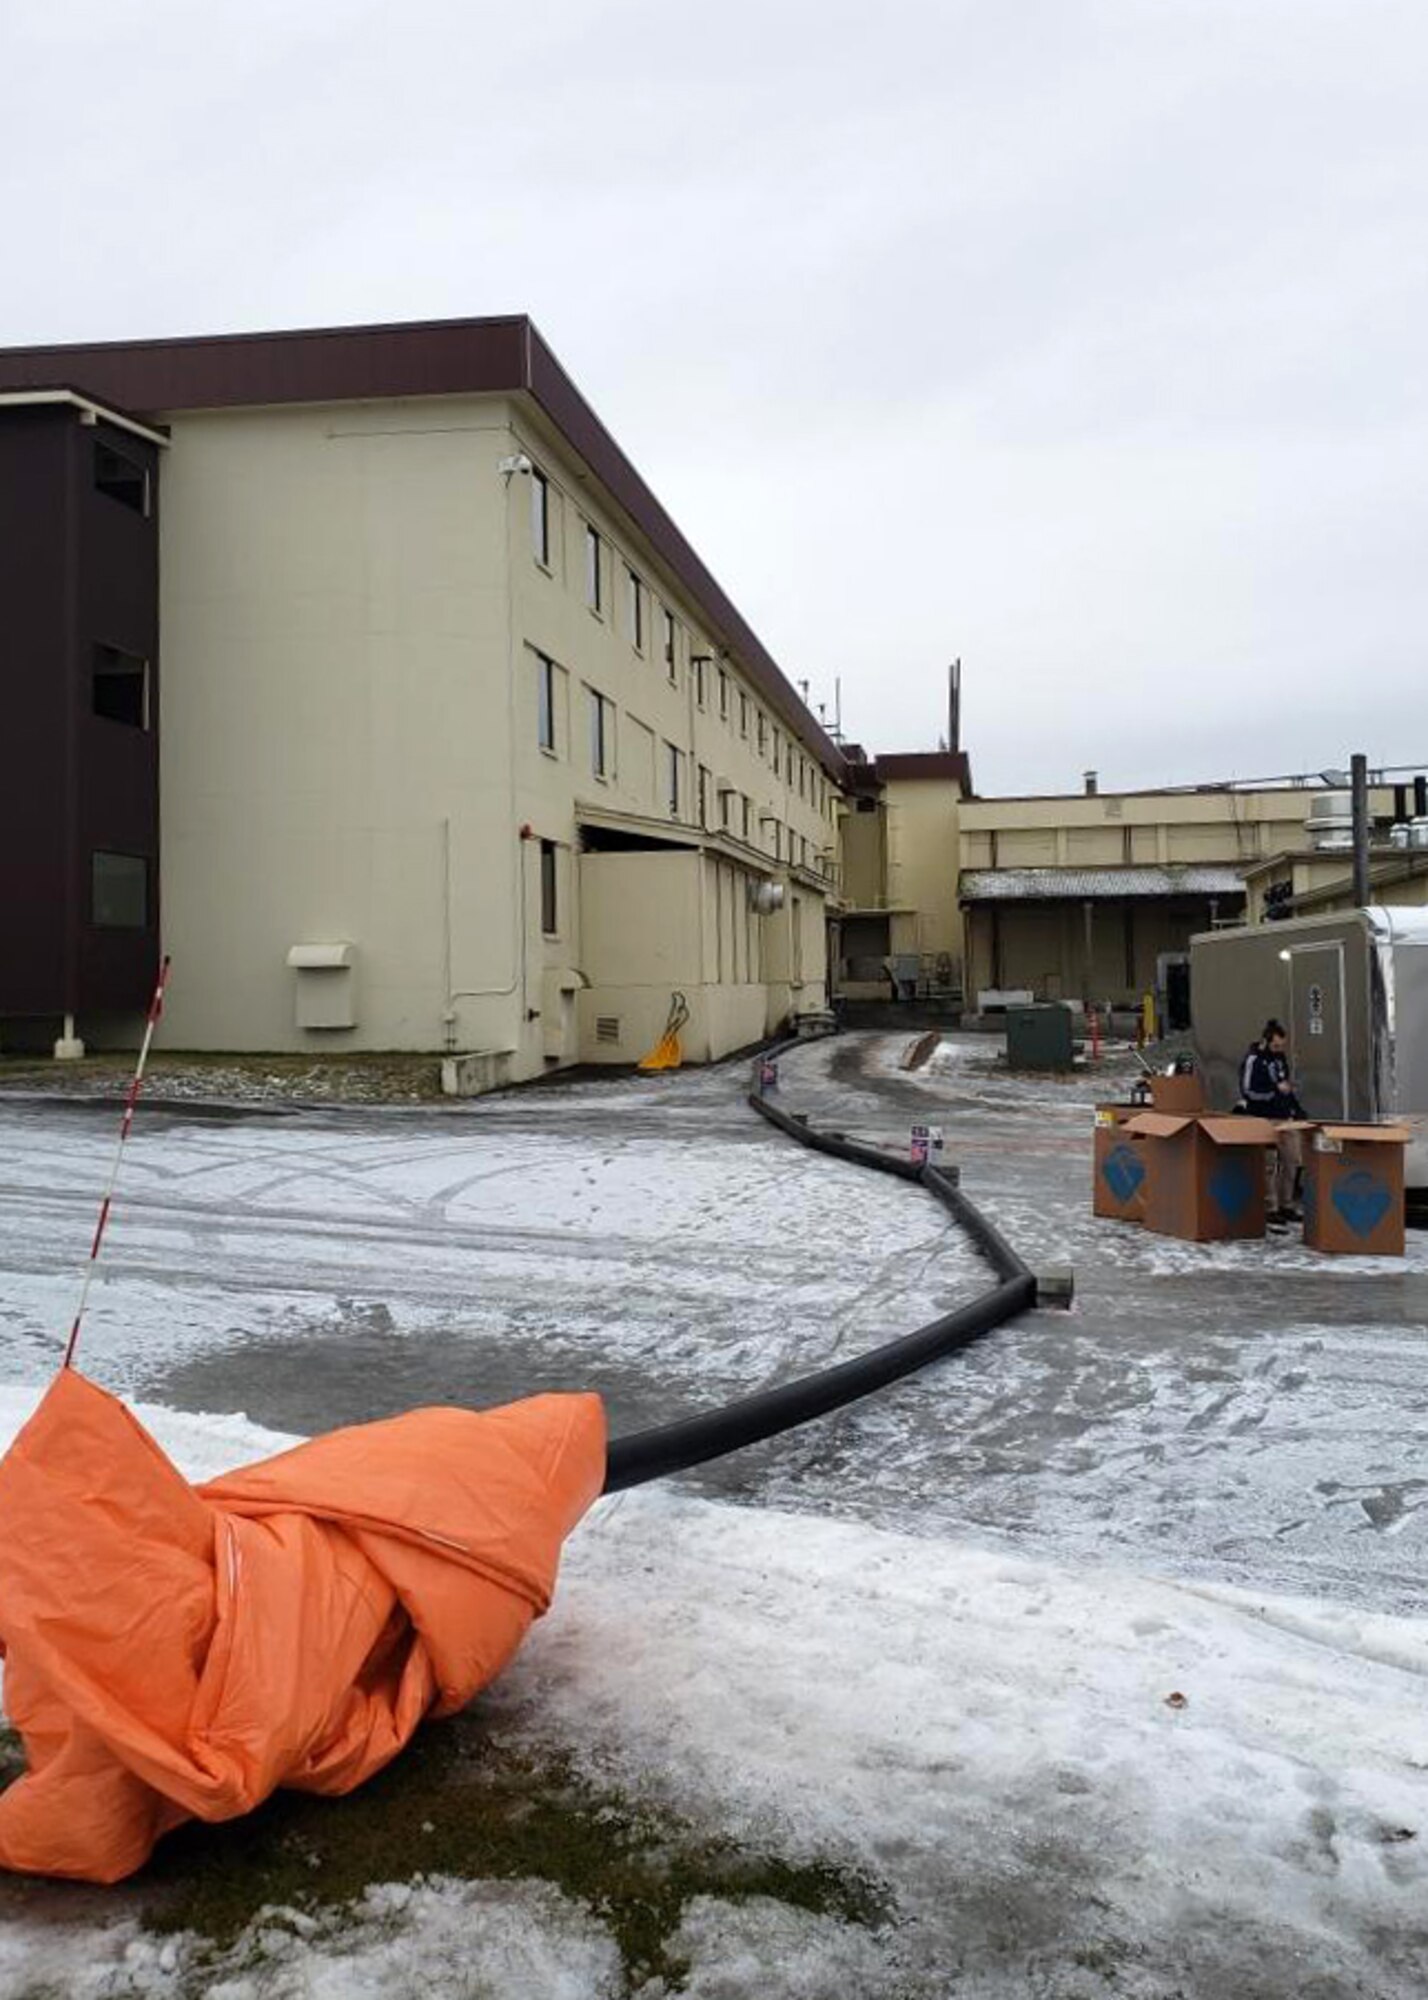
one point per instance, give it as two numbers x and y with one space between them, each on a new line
156 1007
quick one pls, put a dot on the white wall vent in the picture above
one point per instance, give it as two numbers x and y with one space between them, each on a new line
326 985
607 1027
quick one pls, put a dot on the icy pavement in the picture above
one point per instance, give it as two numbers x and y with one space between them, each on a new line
1073 1781
937 1640
1248 1412
654 1241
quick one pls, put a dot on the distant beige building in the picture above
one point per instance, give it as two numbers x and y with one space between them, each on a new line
900 919
1306 882
1083 896
460 745
1087 896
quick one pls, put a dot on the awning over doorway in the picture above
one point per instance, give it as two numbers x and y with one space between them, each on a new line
1014 885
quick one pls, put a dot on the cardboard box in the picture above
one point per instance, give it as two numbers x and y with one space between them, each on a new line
1204 1176
1176 1093
1118 1172
1353 1190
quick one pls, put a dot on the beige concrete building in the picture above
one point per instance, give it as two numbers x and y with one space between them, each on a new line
900 920
1306 882
1087 896
461 746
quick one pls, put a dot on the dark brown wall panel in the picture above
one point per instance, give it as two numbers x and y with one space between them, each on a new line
35 827
76 567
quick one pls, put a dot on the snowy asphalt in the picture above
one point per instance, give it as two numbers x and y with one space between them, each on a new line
1102 1645
1250 1413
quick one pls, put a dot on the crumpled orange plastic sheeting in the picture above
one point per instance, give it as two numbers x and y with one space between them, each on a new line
175 1651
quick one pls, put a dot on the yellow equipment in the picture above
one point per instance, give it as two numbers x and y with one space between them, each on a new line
667 1053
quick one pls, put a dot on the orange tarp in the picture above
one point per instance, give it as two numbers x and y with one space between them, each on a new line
174 1651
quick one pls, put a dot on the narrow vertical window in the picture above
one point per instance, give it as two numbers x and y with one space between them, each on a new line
540 518
671 634
703 795
635 600
592 568
671 780
548 911
761 728
748 817
119 892
119 687
121 479
545 701
743 713
698 666
602 739
723 696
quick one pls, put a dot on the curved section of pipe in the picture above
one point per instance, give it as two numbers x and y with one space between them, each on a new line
652 1454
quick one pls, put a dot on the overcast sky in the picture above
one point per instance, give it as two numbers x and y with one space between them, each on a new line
1086 339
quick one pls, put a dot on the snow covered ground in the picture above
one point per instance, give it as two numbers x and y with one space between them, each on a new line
1099 1651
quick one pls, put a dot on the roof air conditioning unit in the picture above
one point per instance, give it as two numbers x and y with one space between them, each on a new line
1331 822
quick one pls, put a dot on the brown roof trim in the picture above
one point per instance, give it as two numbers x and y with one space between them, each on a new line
1159 792
422 358
579 425
943 765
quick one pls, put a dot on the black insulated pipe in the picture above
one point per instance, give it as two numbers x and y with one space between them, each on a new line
1420 797
676 1447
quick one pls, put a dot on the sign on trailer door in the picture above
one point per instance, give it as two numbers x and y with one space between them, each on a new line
1316 1029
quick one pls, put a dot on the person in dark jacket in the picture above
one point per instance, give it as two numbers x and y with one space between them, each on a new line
1267 1090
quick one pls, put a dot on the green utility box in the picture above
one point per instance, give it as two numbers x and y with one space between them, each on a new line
1040 1037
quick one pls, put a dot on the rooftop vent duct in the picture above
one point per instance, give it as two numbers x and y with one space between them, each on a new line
1331 822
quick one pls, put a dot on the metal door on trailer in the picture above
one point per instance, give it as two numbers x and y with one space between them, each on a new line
1318 1029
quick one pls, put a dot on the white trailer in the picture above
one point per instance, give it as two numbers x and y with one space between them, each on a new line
1351 989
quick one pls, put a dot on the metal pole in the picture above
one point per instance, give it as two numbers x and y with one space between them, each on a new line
156 1008
1359 768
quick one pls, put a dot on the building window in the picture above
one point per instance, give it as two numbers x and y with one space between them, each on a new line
698 667
671 780
725 809
545 702
774 735
743 713
593 566
762 732
635 599
540 518
703 795
121 478
778 841
119 687
602 736
119 899
723 696
549 914
748 805
671 646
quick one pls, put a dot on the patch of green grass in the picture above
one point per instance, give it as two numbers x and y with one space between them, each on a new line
460 1803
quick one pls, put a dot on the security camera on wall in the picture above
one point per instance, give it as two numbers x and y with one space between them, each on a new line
518 462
